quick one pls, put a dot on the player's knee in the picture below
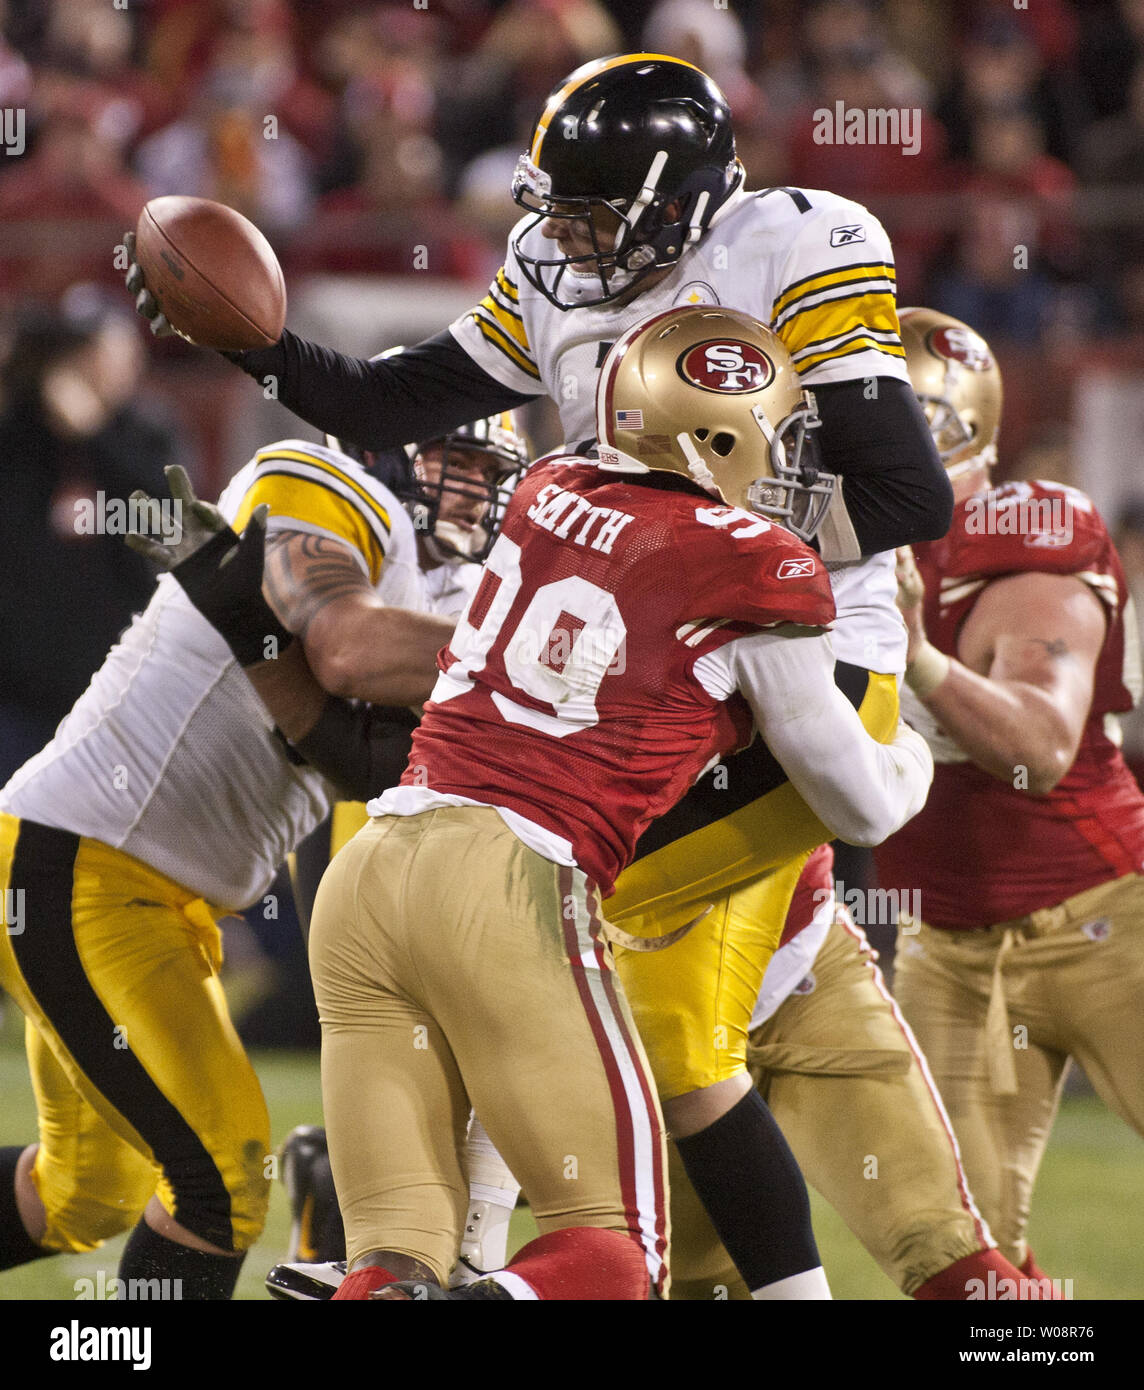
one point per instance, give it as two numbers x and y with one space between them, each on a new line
222 1198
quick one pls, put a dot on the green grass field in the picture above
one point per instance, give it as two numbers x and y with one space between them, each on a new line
1088 1220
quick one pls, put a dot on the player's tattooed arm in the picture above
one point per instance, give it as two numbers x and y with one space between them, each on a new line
1019 694
356 645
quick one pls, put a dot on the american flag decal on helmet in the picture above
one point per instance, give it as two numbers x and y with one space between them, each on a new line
629 419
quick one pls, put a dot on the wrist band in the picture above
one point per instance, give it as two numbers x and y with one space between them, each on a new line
927 670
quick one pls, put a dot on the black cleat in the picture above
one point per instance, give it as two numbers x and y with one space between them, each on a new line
317 1235
306 1283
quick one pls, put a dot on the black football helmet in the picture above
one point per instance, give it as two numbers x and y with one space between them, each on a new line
403 472
631 134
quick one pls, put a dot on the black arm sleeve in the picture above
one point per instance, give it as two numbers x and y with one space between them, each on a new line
423 392
895 487
362 749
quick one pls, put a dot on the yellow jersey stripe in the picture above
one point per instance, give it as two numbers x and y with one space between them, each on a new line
313 503
506 286
839 316
494 335
851 347
509 322
843 275
313 461
585 74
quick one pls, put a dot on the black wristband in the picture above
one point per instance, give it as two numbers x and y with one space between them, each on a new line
223 579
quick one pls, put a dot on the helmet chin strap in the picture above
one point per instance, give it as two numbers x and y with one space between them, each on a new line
696 467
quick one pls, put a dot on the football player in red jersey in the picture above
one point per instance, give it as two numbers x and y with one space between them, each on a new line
1028 853
631 623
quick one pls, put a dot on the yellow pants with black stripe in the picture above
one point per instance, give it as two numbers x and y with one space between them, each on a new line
142 1085
734 879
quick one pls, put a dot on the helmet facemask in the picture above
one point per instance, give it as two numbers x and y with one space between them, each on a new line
798 496
448 539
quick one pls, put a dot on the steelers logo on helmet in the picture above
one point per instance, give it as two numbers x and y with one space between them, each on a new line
726 366
961 345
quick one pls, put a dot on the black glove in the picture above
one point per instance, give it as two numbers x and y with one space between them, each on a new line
220 572
362 749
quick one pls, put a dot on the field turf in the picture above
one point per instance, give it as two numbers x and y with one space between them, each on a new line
1088 1219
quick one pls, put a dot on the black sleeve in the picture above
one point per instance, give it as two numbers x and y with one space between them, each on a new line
362 749
895 488
426 390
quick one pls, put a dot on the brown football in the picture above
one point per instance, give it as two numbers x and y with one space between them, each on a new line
214 274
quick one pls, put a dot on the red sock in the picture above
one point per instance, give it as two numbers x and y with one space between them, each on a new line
358 1284
582 1262
986 1275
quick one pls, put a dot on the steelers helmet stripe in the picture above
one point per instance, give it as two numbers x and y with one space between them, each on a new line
585 74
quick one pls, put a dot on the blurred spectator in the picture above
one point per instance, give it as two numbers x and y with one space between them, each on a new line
228 146
1000 69
1016 233
714 41
65 207
68 433
1112 164
1111 45
529 47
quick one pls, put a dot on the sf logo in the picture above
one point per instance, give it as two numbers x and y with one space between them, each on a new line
728 359
964 347
726 367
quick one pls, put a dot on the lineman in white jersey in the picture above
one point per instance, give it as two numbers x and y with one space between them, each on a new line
167 799
637 204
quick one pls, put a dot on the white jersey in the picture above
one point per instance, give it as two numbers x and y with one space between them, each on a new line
169 755
816 267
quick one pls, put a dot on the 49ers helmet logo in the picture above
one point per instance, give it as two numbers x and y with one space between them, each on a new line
727 366
963 346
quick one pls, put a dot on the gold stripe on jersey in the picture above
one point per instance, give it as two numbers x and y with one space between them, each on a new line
316 503
506 286
496 336
854 274
853 323
374 507
585 74
508 318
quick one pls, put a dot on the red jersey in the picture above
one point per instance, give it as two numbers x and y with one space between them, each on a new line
982 851
568 692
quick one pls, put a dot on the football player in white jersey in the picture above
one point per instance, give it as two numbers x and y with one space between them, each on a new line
166 800
634 204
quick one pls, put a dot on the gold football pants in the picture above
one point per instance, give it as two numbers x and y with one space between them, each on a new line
851 1091
141 1083
1000 1011
454 968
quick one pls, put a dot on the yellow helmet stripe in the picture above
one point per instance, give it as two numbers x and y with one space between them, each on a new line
585 74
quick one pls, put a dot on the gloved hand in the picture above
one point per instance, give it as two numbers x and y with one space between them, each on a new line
220 572
146 305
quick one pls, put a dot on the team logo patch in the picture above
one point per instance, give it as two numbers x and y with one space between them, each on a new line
962 346
1098 930
729 366
696 292
847 236
795 569
805 985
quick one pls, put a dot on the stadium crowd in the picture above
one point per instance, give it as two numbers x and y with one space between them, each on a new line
346 129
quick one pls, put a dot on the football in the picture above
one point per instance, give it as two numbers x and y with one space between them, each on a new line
213 273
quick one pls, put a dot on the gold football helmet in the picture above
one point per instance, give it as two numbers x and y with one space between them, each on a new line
712 393
958 382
